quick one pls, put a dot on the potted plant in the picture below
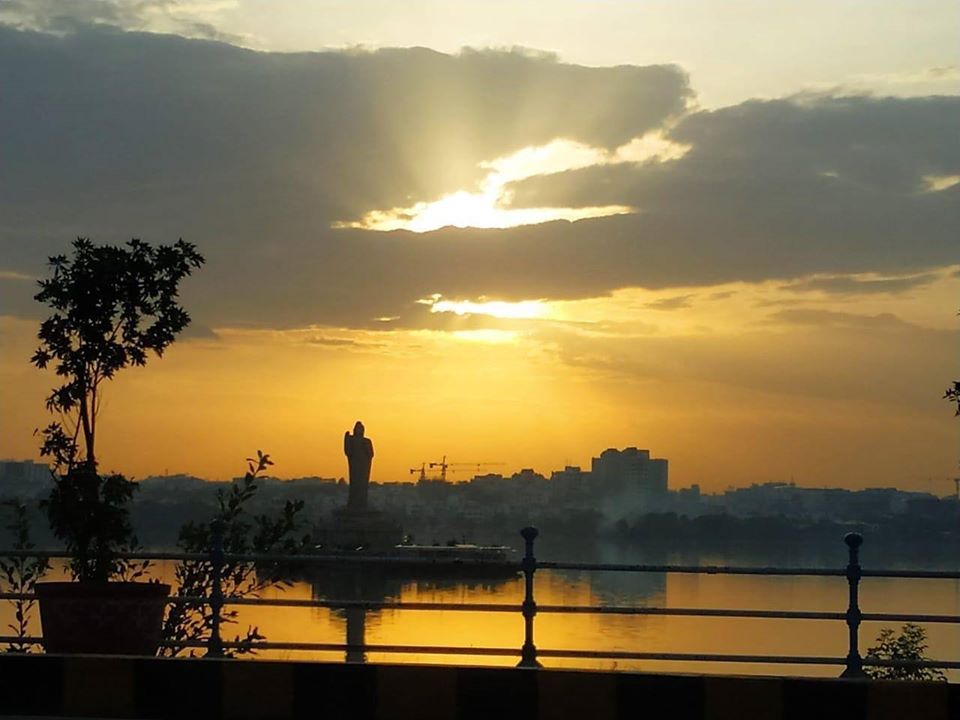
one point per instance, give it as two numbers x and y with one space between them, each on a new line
111 306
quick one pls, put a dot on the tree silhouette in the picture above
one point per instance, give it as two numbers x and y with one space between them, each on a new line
111 307
953 395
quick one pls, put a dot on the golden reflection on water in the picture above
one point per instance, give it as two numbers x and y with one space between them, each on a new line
628 632
637 633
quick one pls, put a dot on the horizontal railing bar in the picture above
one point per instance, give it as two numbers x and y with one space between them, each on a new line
912 574
548 652
588 610
689 569
693 612
738 613
341 647
908 617
741 570
377 605
692 657
553 609
398 649
724 657
509 565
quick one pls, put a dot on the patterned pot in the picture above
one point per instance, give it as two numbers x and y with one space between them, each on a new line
115 618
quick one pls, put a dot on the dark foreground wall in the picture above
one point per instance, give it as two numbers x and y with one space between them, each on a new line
45 685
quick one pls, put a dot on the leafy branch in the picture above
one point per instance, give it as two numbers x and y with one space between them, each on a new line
20 575
953 395
907 646
242 533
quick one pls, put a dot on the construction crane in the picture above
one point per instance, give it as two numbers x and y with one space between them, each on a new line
421 471
444 466
476 466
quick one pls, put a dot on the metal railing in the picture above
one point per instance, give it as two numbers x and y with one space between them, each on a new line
853 663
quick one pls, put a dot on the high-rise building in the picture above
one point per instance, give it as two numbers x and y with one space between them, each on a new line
630 471
23 478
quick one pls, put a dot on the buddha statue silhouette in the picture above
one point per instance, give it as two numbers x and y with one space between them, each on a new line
359 452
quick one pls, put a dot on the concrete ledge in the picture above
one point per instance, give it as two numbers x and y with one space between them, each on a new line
49 685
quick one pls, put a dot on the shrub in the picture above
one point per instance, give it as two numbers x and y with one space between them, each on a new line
910 646
20 575
188 623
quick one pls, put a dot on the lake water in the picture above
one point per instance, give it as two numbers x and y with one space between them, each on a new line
602 632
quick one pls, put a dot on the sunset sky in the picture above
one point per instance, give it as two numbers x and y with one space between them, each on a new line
517 232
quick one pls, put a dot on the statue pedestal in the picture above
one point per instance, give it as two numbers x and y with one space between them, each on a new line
367 530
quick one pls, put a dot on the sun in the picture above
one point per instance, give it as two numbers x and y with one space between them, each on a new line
522 310
459 209
490 205
483 209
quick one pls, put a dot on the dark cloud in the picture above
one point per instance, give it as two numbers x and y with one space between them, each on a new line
198 331
849 285
793 152
833 318
677 302
166 131
63 16
254 155
786 189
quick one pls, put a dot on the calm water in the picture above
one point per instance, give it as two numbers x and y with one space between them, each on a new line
605 632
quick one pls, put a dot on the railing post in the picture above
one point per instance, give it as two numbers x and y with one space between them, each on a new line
215 643
854 667
528 654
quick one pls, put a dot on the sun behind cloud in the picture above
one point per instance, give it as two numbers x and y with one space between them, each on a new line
489 207
522 310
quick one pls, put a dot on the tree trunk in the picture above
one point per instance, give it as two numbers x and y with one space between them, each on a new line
88 436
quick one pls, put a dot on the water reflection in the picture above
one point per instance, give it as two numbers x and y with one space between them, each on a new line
370 584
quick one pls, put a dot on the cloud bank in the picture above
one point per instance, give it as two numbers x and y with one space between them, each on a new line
256 156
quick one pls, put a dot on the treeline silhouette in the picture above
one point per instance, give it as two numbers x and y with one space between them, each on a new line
924 532
920 538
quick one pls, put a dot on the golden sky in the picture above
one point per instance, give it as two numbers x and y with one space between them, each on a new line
644 231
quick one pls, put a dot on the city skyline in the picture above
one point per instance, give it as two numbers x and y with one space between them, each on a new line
503 233
465 472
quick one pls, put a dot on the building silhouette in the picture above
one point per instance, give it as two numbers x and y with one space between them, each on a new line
630 472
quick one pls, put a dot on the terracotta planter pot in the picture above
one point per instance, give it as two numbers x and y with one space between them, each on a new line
116 618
